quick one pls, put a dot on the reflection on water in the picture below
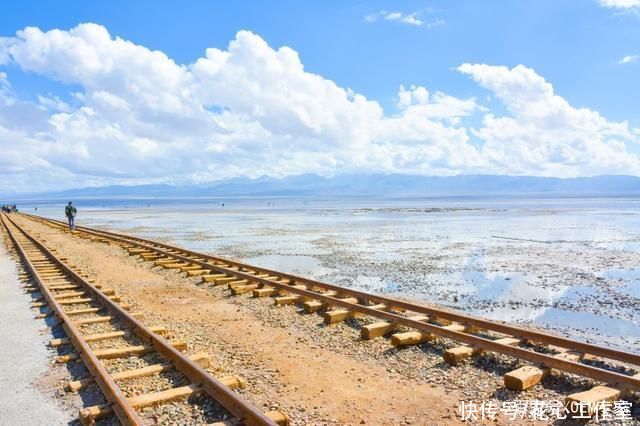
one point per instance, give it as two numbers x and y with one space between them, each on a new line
499 295
599 324
300 265
629 278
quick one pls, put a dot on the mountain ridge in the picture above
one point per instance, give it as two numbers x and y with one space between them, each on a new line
345 185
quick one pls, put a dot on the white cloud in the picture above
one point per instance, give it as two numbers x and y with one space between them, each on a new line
620 4
543 134
418 101
405 18
628 59
249 109
53 104
408 18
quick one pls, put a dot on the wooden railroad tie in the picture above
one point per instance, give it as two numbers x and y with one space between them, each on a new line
121 352
62 296
63 287
72 298
151 256
312 305
291 299
51 275
236 283
108 318
90 414
197 272
175 265
54 343
190 268
379 329
137 251
211 278
223 280
455 356
124 306
43 270
265 292
417 337
530 375
201 359
84 300
241 289
338 315
593 398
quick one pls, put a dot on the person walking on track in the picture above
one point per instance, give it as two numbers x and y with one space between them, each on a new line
70 211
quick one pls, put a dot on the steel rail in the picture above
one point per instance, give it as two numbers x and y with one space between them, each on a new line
241 409
612 378
119 403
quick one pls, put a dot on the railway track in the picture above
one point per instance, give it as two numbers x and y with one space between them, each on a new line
544 353
102 331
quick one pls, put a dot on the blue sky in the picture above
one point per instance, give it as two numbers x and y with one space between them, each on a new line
371 48
575 44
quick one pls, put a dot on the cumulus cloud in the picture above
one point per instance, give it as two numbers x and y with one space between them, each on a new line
543 134
247 109
628 59
250 109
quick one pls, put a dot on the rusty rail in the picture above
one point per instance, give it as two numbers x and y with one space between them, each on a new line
241 409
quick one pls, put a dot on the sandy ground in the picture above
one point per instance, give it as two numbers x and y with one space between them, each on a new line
317 374
282 365
26 378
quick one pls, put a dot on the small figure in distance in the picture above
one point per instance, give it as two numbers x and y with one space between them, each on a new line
70 211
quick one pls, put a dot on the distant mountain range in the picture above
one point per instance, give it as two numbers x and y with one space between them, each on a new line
349 185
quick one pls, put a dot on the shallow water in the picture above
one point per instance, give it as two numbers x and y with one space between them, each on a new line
628 278
306 266
568 264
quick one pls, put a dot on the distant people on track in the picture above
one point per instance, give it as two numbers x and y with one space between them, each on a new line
70 211
8 208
